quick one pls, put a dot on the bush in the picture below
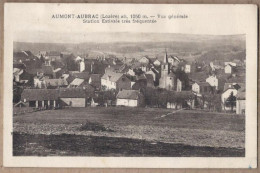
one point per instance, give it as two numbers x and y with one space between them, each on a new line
94 126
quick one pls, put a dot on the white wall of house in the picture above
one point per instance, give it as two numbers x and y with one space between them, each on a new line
187 68
228 69
39 83
213 81
240 106
74 102
173 106
195 88
227 93
170 83
131 72
108 84
144 68
157 62
126 102
179 86
81 66
144 60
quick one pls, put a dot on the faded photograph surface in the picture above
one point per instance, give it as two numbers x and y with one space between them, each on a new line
176 95
130 85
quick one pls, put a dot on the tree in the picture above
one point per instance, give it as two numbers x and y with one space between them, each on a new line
183 77
151 96
231 101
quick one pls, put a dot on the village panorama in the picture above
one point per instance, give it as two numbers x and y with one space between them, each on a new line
180 98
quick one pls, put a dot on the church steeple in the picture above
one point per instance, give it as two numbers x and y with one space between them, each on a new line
165 60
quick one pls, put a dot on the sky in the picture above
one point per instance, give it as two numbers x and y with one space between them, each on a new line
37 25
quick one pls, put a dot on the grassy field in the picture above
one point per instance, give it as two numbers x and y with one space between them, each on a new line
146 131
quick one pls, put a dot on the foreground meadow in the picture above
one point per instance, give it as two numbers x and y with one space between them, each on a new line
122 131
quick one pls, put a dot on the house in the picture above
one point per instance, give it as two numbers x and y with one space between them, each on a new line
78 59
144 60
55 83
231 63
130 98
42 54
150 80
143 81
113 80
73 97
229 68
23 56
95 81
201 87
157 63
174 60
82 65
241 102
39 81
187 68
40 97
53 55
213 81
229 88
19 65
153 73
75 74
57 73
198 76
179 85
76 83
130 72
20 104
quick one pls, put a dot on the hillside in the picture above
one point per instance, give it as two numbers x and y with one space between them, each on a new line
189 47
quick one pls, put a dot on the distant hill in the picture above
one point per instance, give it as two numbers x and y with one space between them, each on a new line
189 47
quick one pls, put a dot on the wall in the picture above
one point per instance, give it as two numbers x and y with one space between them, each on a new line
126 102
196 88
240 106
109 84
75 102
123 83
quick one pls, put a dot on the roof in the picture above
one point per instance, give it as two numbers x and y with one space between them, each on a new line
198 76
72 93
47 70
95 80
19 65
40 94
56 82
203 83
149 77
175 58
56 70
128 94
80 75
77 82
53 53
237 86
34 71
141 77
112 76
171 74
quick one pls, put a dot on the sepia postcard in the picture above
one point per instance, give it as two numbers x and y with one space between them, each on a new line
130 85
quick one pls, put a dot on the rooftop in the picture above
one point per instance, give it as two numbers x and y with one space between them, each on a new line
128 94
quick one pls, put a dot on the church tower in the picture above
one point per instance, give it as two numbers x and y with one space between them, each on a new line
164 71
